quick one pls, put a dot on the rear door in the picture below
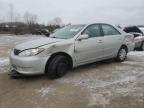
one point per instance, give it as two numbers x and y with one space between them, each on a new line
112 40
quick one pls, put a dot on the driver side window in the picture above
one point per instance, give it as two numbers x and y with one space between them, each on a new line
93 31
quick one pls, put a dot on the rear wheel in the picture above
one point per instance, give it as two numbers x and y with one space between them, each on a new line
122 54
58 67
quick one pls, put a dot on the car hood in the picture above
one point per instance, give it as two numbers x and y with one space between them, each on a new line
37 43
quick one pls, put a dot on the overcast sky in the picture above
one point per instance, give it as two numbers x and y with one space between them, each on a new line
79 11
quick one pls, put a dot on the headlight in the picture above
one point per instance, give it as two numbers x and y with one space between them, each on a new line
31 52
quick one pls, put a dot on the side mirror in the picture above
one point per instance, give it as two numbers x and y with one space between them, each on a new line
83 37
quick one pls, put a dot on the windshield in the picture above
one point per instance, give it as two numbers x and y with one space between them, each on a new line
67 32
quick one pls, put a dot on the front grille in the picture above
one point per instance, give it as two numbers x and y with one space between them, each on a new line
16 51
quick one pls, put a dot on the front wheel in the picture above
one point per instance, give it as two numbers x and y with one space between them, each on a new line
122 54
58 67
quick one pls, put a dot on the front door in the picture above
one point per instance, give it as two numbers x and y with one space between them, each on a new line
91 49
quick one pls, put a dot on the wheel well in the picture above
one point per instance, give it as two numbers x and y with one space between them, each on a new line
125 47
63 54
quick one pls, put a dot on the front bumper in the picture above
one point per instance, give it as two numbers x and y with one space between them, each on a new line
33 65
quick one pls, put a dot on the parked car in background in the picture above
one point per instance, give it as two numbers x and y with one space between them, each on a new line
45 32
70 47
41 32
141 28
138 36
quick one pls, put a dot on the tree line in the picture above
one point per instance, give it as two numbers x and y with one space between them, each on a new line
29 24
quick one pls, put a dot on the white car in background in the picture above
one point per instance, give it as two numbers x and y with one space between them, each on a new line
138 36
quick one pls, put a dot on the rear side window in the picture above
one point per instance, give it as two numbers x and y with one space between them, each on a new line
109 30
93 31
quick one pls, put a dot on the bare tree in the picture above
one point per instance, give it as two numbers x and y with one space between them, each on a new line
30 21
56 21
11 12
2 20
30 18
17 17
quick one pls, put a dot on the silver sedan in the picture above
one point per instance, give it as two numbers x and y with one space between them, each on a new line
69 47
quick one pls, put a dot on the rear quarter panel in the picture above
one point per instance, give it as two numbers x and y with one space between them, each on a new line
129 41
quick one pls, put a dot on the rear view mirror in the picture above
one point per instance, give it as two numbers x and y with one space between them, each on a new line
83 37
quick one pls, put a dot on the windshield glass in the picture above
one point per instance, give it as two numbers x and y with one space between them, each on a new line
67 32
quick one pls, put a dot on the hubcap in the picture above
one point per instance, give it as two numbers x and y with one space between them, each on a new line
61 69
122 54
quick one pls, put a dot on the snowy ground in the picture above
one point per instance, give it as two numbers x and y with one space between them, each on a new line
97 85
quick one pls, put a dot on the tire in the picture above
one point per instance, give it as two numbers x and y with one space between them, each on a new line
122 54
58 67
142 47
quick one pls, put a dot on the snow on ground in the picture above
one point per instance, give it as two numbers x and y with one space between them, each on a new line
16 39
45 91
136 53
122 84
135 58
3 65
4 61
123 81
